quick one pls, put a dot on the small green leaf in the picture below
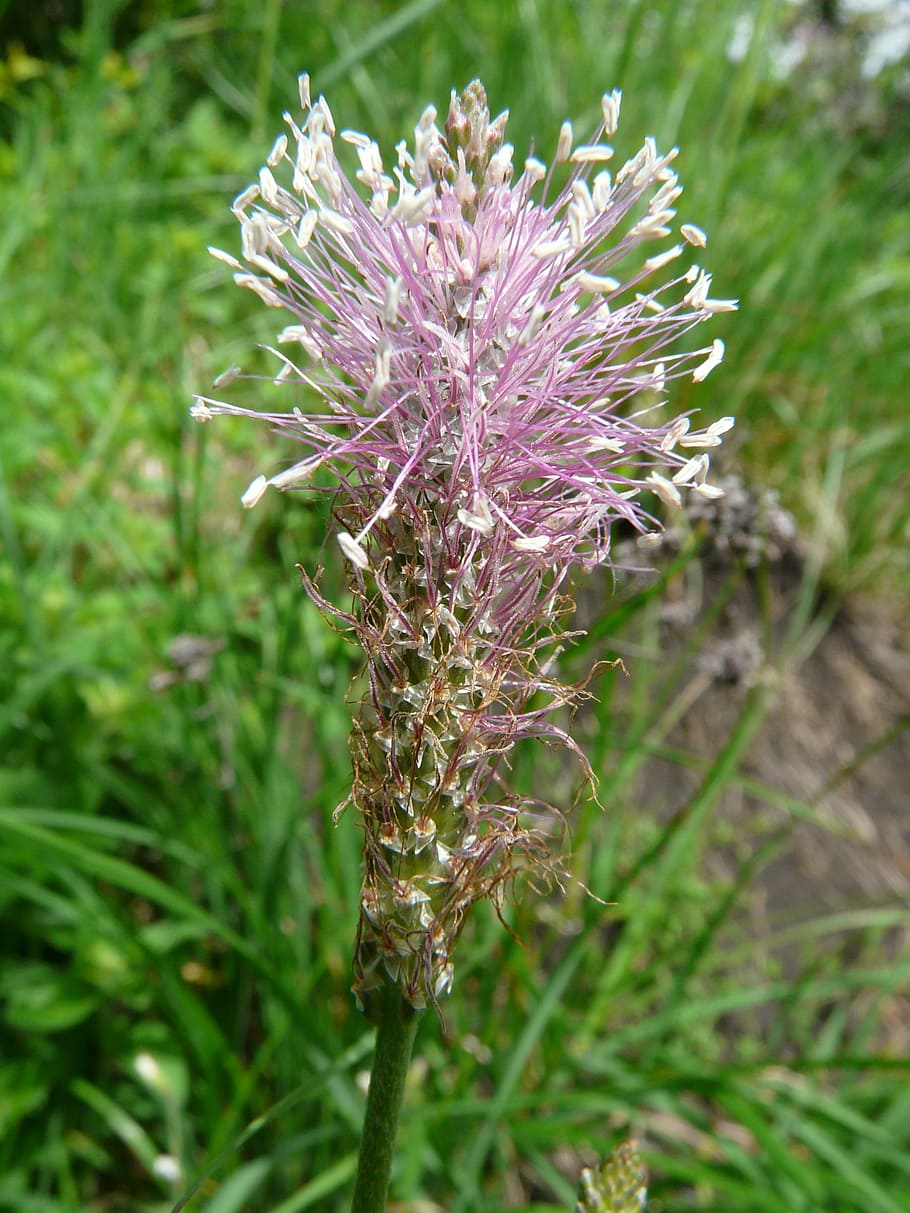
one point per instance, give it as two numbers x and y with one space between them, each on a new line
237 1189
38 998
22 1092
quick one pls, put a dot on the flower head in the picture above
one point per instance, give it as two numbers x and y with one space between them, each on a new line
480 354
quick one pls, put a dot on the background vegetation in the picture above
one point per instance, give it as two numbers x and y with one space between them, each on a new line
177 909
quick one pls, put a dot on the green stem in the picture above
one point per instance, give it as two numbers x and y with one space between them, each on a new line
396 1027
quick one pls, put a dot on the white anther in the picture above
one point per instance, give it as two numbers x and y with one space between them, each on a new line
499 170
651 539
666 195
721 426
720 305
412 208
337 223
662 259
592 153
356 139
427 118
392 299
201 412
276 155
678 429
479 517
323 106
550 248
603 188
665 490
268 186
700 441
243 199
220 255
597 284
577 222
530 543
694 469
564 143
299 473
251 241
353 550
226 377
693 235
532 328
535 170
307 227
582 196
382 373
596 443
254 492
650 303
610 104
715 358
278 272
250 282
652 227
699 293
297 332
709 491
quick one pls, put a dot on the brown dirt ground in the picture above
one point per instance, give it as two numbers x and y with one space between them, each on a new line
837 733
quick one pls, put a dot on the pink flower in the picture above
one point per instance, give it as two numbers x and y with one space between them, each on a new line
478 367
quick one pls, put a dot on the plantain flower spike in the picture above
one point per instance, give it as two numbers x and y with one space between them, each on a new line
478 354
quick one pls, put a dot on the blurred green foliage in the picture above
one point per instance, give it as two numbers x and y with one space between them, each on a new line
172 707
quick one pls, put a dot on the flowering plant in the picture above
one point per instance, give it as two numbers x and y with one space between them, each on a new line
485 356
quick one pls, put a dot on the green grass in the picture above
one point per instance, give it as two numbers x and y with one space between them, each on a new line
170 881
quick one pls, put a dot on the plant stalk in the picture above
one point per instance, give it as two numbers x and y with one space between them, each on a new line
396 1023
